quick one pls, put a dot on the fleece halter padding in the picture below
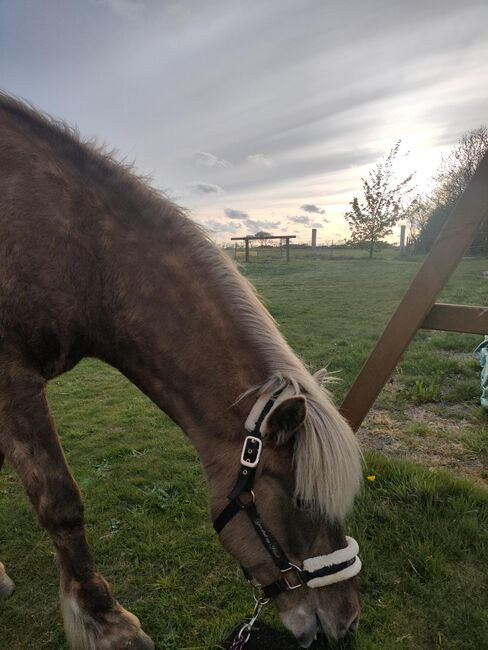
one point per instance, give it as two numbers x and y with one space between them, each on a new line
257 420
340 565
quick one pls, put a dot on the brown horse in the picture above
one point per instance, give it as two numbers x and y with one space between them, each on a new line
93 262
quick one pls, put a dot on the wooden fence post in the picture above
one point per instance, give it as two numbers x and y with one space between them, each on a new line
314 237
402 240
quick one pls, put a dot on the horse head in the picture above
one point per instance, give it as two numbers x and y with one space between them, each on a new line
297 476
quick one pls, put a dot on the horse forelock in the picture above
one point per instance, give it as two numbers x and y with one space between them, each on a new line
327 458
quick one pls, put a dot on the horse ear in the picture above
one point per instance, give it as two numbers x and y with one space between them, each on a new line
285 419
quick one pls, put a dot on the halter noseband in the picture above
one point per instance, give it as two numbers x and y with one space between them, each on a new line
316 571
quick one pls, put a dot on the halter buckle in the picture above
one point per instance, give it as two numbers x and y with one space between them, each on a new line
298 575
252 447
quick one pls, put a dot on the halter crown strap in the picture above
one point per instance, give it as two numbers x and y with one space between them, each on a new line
251 453
257 420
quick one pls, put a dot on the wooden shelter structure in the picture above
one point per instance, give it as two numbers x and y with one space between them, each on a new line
417 308
252 238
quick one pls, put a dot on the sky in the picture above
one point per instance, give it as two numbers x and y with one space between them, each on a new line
258 114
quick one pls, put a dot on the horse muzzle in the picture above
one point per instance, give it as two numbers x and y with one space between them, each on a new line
305 627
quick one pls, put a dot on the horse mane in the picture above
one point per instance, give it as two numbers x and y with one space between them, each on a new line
95 161
326 455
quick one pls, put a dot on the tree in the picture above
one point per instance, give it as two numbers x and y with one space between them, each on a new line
383 204
262 234
457 168
452 178
416 216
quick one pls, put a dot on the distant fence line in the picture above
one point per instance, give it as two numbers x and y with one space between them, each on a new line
263 239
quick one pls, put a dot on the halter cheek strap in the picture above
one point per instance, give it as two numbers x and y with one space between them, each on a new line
317 571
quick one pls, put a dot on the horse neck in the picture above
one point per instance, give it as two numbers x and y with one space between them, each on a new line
170 327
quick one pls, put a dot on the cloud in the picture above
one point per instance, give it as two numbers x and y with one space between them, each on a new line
206 188
219 226
175 104
206 159
311 207
178 15
255 226
302 219
252 225
305 220
123 8
235 214
260 159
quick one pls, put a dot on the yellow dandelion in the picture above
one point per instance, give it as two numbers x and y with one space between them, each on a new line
371 477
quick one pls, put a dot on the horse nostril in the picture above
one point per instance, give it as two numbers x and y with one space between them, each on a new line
338 630
349 628
353 625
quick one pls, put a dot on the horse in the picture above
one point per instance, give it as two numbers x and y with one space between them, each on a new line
96 263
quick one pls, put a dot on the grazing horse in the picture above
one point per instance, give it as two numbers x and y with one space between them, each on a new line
94 263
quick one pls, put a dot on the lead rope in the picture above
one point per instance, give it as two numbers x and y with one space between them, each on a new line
244 634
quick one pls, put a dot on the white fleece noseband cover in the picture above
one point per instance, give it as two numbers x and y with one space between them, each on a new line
325 564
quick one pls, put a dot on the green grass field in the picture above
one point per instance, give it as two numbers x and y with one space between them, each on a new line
423 533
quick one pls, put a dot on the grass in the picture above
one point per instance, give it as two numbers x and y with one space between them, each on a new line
423 534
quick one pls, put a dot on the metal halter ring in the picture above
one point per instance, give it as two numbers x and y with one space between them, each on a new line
246 504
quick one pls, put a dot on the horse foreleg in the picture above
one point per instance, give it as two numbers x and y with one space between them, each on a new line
6 584
92 617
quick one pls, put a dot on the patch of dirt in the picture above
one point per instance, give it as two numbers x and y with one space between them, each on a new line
436 422
422 436
466 357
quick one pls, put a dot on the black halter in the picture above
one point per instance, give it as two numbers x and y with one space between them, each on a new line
292 576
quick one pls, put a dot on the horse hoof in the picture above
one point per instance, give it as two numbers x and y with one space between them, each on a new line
7 586
141 642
